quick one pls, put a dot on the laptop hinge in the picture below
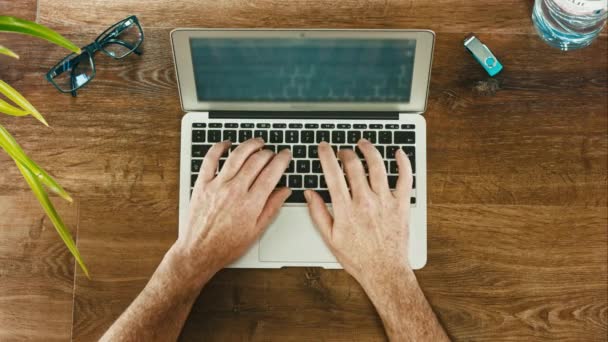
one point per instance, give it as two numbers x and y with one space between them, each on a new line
303 115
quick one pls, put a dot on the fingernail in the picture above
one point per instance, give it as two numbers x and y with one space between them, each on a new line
307 195
401 152
363 140
260 139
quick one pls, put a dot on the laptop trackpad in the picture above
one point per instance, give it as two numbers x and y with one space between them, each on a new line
293 238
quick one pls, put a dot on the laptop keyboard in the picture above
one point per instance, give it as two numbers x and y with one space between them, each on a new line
304 171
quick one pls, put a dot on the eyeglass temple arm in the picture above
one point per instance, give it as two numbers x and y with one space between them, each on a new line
73 80
123 43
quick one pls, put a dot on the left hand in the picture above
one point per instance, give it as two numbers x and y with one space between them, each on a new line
230 210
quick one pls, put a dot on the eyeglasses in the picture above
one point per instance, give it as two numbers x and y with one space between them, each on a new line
77 70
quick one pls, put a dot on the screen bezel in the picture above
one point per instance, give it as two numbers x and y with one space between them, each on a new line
420 79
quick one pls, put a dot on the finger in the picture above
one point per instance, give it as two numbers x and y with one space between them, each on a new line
404 182
271 174
354 173
333 175
271 208
319 214
252 167
377 172
211 161
239 156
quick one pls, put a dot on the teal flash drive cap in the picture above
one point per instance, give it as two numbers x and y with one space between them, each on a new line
483 55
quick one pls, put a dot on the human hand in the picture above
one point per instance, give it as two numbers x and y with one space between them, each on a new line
230 210
368 232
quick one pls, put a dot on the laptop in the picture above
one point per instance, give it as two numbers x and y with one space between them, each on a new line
296 88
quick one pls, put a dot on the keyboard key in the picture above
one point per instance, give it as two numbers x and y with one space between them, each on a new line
409 151
196 165
386 137
231 125
407 126
311 181
214 136
328 126
316 166
297 196
313 151
245 135
392 182
308 137
391 126
414 182
380 149
390 151
360 126
386 165
199 125
272 148
247 125
233 147
413 200
375 126
221 164
263 125
199 151
311 126
322 182
291 168
295 181
282 182
230 135
338 137
402 137
353 137
193 179
303 166
346 147
292 137
370 135
359 153
299 151
393 168
413 162
261 134
276 137
344 126
279 125
322 136
198 136
335 149
295 125
215 125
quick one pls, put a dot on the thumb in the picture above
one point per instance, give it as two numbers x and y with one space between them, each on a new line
319 214
271 209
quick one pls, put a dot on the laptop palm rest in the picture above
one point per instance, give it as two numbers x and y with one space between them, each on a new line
293 238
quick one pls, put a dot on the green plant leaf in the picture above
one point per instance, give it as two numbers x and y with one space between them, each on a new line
10 145
7 108
19 100
8 52
50 211
12 24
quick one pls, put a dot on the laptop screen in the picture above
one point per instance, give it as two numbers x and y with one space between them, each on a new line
303 70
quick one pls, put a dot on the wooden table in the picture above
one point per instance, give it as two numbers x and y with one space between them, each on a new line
517 181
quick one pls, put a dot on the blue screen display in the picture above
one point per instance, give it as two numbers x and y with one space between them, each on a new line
303 70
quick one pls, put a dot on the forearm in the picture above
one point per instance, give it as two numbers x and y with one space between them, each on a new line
160 310
405 312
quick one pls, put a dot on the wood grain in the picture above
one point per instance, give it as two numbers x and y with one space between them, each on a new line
517 180
36 271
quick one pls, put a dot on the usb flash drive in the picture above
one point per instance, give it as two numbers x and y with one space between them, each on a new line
483 55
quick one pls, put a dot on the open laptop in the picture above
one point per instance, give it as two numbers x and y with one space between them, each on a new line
296 88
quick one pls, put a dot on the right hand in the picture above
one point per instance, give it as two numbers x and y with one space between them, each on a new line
368 231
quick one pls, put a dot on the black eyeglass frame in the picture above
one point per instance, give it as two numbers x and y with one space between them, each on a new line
69 62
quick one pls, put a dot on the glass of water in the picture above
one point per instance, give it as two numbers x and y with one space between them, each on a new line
569 24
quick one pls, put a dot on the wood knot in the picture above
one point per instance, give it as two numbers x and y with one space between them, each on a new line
488 87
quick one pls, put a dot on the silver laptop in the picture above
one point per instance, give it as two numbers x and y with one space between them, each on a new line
296 88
